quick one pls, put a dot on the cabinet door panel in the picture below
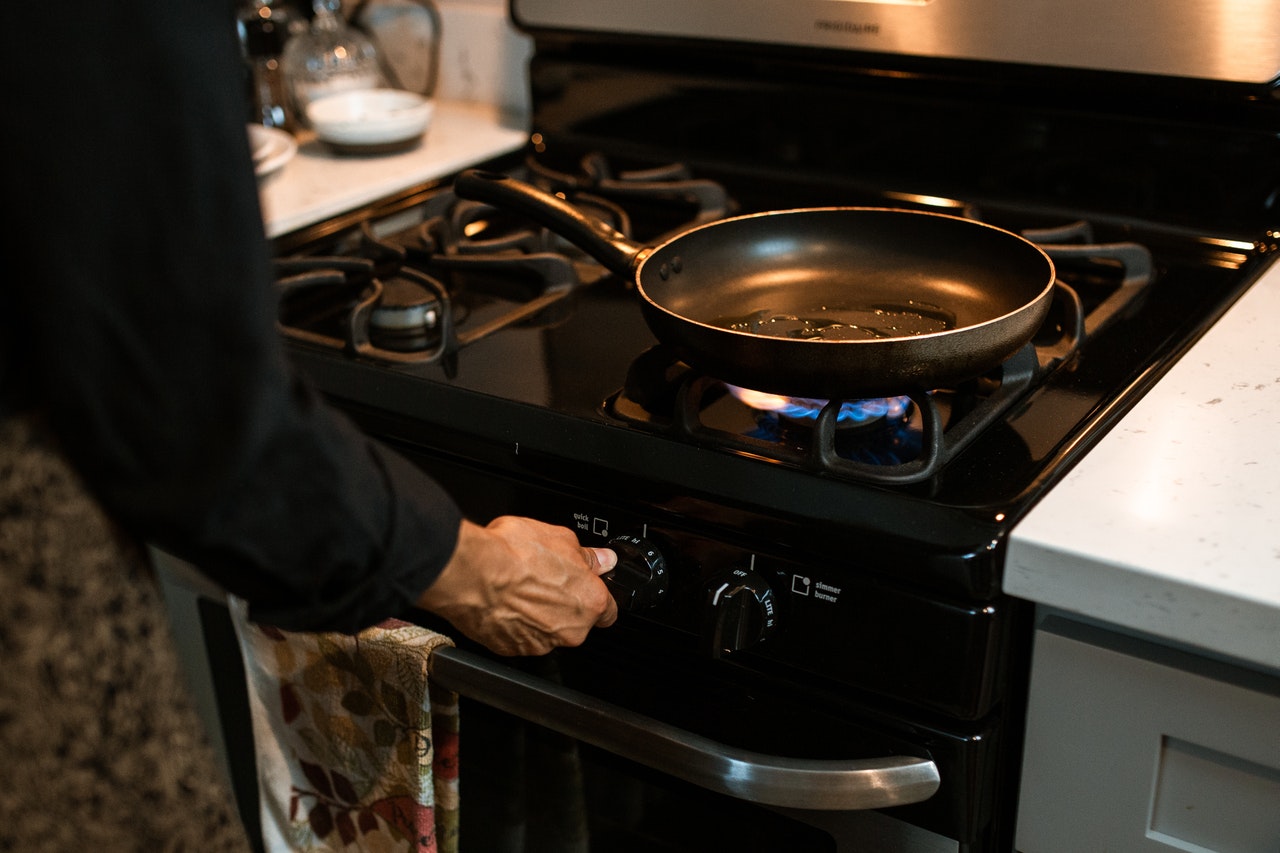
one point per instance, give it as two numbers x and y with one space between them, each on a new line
1126 753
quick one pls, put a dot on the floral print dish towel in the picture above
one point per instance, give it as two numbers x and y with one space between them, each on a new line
356 748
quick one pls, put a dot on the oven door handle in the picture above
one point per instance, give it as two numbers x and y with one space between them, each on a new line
830 784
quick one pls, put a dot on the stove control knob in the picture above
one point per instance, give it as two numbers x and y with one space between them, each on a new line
743 612
640 579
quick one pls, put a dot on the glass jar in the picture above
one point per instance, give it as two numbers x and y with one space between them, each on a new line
407 35
328 58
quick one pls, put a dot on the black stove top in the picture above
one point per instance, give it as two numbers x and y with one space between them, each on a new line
467 333
506 347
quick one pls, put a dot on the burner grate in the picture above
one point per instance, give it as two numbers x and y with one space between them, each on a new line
467 270
664 395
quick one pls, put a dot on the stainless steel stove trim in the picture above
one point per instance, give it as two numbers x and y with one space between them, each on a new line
1226 40
860 831
812 784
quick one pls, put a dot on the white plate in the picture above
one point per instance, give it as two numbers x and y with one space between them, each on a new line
271 148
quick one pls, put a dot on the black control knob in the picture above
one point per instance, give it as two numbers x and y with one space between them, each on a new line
640 579
743 612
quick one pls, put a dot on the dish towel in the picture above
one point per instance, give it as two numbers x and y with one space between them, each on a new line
357 750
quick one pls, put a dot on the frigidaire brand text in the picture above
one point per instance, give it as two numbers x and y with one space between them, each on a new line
854 27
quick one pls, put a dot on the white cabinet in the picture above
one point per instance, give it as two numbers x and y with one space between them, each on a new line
1133 747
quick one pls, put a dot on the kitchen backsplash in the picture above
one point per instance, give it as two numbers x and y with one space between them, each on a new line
483 57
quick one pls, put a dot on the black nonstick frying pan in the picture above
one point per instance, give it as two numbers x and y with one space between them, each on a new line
829 303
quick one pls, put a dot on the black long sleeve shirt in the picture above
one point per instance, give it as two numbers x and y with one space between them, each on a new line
142 323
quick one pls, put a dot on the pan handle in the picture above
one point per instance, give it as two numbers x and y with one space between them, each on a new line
608 246
826 784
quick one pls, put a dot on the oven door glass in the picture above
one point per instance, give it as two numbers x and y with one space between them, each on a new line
526 788
579 751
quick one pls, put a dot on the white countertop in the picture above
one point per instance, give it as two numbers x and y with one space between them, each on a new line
1171 525
317 184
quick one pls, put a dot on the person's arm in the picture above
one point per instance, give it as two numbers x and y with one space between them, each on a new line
146 327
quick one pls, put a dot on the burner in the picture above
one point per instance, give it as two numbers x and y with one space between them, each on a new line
406 318
471 228
894 440
806 409
667 198
875 432
457 228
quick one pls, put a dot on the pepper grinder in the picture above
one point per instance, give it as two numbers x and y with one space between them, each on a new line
264 30
328 58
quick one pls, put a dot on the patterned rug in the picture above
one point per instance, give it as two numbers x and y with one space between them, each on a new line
102 747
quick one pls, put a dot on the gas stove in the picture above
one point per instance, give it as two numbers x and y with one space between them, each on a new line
450 296
837 561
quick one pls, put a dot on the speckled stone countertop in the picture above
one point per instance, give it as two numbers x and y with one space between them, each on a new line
1171 525
317 184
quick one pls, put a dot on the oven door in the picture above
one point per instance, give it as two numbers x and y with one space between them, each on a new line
599 749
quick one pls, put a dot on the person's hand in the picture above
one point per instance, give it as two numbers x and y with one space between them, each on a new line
521 587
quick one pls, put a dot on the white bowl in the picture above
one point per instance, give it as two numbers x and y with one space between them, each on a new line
370 118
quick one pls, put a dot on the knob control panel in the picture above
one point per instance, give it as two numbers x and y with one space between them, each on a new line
743 612
640 579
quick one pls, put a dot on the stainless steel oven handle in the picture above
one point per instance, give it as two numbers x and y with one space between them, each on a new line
829 784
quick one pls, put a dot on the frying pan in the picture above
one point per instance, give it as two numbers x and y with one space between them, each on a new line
829 303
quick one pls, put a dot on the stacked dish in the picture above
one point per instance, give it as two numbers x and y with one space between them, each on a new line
271 148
